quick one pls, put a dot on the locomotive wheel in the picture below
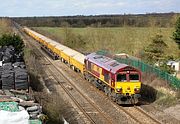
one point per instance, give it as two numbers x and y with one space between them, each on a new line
134 101
96 84
88 79
113 96
109 92
106 91
85 76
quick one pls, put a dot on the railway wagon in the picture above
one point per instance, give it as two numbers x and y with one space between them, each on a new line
119 81
45 42
55 47
58 50
33 34
51 45
77 62
67 54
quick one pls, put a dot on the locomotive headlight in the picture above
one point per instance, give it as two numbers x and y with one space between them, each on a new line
119 90
136 90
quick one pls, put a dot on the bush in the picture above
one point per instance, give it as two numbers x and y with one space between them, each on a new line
176 34
166 97
72 40
14 40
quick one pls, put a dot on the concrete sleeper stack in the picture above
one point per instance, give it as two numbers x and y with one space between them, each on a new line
7 76
21 78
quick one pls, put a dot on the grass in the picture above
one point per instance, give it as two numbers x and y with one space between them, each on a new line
5 26
53 105
167 97
130 40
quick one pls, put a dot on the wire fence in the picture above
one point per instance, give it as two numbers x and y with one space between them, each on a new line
174 82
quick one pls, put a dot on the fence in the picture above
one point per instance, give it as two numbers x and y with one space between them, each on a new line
174 82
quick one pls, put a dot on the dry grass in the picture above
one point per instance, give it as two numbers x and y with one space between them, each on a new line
53 104
5 26
130 40
166 97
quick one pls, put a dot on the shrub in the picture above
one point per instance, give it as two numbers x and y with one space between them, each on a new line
176 34
14 40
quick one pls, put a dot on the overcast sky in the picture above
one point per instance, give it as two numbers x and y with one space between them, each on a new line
85 7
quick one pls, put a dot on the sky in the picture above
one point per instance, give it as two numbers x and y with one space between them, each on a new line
24 8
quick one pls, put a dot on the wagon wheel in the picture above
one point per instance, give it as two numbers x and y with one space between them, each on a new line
73 68
62 60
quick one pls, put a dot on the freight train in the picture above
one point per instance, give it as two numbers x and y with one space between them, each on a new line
121 82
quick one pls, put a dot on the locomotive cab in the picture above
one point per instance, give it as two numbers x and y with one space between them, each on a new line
127 85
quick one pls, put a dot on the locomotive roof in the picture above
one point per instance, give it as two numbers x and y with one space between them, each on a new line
105 62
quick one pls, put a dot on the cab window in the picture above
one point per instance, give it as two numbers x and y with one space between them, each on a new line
134 77
121 78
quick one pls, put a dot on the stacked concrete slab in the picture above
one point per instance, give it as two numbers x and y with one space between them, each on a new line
7 76
16 101
8 54
21 76
13 73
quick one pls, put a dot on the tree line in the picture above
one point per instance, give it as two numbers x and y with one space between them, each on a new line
138 20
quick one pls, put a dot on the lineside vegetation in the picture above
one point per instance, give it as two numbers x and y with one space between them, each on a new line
5 26
7 37
130 40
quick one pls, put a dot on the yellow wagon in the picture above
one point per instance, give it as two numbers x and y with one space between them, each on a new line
78 62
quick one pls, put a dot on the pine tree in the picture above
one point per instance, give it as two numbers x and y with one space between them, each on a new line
176 34
154 53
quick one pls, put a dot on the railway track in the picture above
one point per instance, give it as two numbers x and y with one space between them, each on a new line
86 106
136 113
139 115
